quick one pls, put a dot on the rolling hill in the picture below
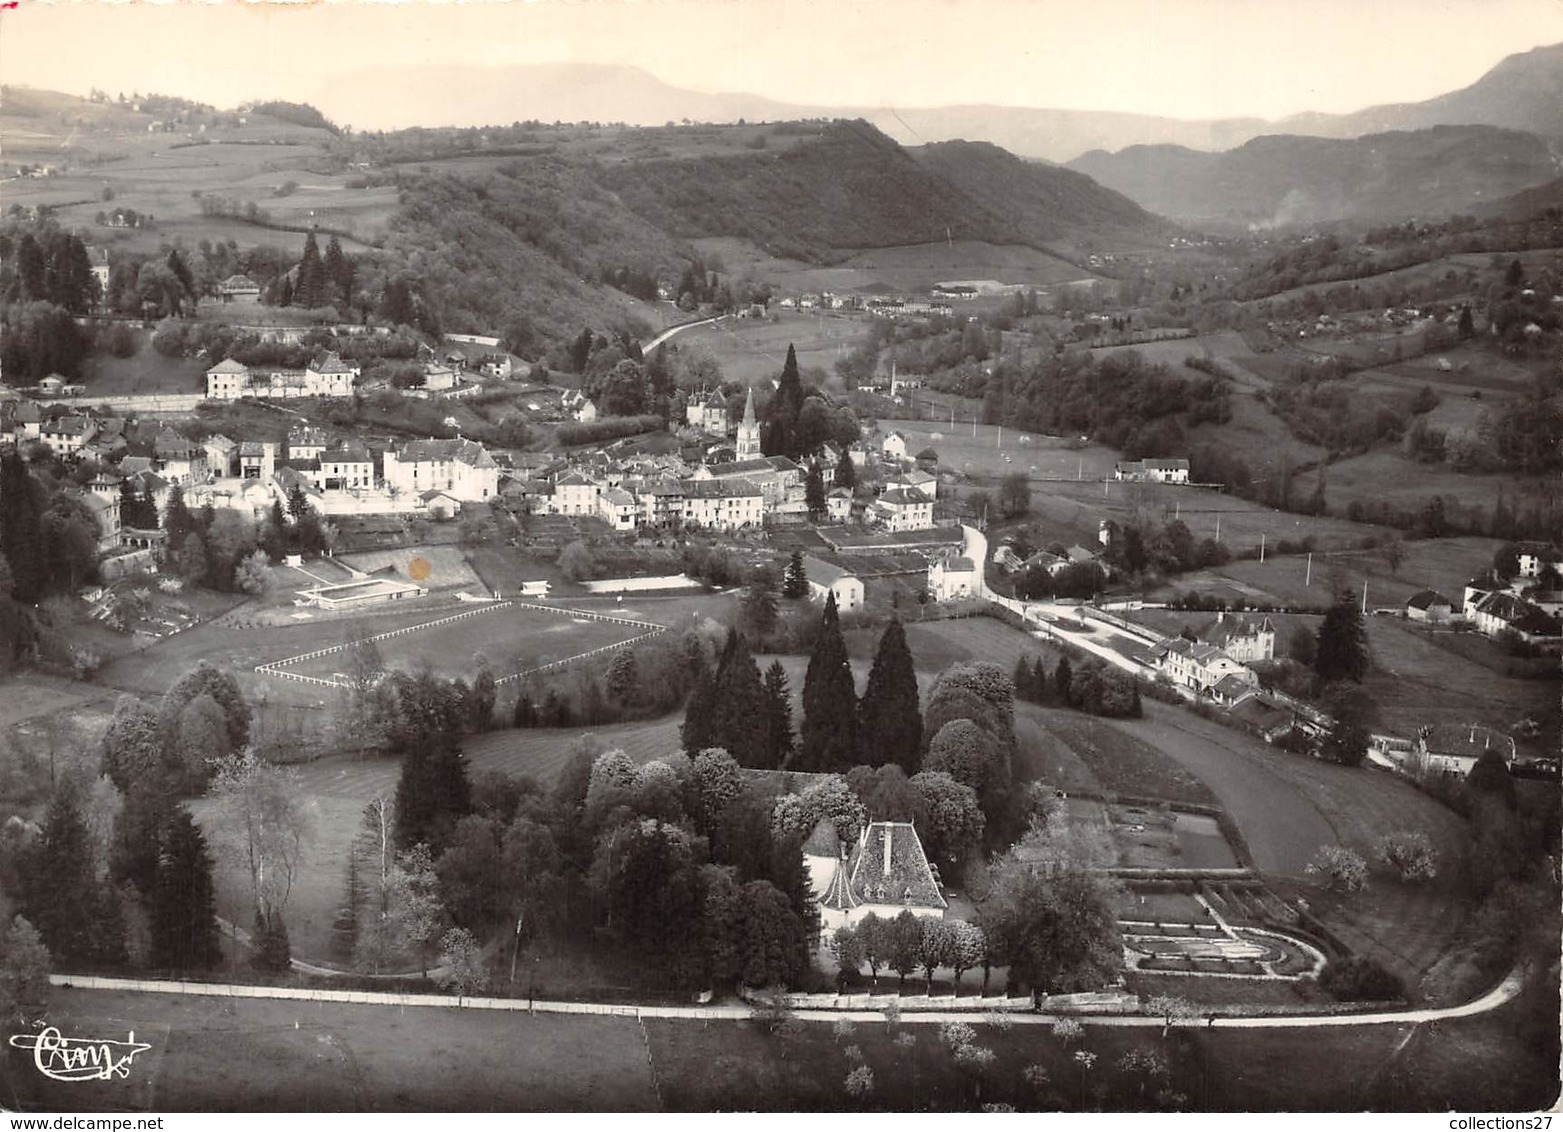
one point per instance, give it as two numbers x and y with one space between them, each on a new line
1288 179
1522 92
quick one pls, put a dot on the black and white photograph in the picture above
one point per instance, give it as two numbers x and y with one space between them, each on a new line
870 557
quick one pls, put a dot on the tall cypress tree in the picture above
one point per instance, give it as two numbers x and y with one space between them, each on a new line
814 491
890 719
1063 676
1342 651
829 737
778 717
695 734
338 278
20 539
845 474
738 704
183 906
310 289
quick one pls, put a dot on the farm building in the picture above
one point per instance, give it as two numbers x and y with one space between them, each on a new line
1429 606
1152 471
1454 748
828 578
885 873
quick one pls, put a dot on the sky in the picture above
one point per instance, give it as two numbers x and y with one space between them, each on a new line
1178 58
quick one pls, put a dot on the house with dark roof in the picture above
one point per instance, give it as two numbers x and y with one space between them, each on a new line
884 872
1244 639
1503 611
1152 471
1430 607
1452 749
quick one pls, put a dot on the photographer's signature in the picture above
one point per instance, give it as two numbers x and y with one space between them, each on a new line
80 1059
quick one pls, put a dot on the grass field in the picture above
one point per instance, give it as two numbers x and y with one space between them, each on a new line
146 371
215 1055
513 639
754 350
1124 763
1438 564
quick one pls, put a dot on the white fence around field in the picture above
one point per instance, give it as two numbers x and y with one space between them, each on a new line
279 668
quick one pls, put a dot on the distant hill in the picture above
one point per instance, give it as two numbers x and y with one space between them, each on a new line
1300 180
1522 92
850 187
1525 205
1043 204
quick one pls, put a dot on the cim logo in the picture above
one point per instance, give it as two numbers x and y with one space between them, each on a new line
80 1059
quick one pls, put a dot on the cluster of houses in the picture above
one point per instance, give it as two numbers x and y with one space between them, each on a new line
327 375
1529 605
1214 661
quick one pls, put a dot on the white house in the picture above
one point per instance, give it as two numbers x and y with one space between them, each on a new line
916 481
903 509
709 415
1152 471
893 447
346 467
951 577
617 508
723 505
826 578
575 494
838 504
461 467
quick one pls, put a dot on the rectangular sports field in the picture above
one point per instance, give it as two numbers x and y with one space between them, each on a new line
513 638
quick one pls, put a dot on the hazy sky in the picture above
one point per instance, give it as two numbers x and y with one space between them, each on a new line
1182 58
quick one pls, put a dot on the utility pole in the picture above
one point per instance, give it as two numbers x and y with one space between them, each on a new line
1364 597
1261 549
1218 526
1308 579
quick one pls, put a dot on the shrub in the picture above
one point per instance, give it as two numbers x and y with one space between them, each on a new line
1340 868
1410 853
1357 978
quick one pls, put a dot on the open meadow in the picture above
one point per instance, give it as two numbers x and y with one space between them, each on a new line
753 351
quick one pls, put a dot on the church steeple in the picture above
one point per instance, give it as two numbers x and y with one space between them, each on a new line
748 446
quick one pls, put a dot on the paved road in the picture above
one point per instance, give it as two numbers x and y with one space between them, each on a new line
1502 993
672 330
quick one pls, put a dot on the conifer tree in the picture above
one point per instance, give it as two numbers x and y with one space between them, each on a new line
309 291
177 520
890 719
795 582
183 904
695 734
738 704
829 737
337 273
1342 650
19 530
344 926
1022 677
77 916
778 718
845 474
814 491
1063 676
759 605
